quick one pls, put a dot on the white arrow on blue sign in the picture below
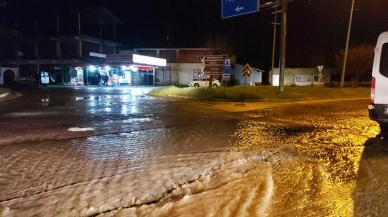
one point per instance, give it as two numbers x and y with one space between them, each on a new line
233 8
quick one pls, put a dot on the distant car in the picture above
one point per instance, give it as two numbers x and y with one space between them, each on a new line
205 83
378 109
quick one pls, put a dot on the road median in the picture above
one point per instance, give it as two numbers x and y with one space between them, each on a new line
261 93
240 99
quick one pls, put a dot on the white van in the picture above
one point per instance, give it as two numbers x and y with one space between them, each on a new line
378 110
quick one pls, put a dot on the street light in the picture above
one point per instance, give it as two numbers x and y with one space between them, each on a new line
347 45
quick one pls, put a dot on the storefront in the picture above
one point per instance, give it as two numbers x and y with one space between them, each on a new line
118 70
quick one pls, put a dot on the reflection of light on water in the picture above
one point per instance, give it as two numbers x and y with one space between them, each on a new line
127 100
134 120
128 145
136 92
134 109
321 182
124 98
92 104
124 110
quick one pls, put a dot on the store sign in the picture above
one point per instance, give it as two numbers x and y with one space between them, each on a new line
98 55
152 61
44 78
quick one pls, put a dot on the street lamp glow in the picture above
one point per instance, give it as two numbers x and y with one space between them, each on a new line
92 68
108 68
133 68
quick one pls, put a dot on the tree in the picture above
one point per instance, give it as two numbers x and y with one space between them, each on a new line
221 42
360 61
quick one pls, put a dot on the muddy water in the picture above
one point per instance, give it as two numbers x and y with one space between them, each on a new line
329 142
144 156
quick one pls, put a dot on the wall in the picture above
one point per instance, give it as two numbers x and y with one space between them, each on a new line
182 73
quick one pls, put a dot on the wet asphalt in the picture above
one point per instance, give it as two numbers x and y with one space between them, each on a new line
334 165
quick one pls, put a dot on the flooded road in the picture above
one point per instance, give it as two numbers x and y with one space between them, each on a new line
120 152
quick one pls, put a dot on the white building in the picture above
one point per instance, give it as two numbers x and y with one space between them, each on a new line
303 77
8 75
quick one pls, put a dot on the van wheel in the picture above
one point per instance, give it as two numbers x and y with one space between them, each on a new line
196 85
215 85
384 130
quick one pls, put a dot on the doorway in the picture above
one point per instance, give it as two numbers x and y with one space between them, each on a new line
9 78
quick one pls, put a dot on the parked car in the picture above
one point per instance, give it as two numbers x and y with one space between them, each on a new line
205 83
378 109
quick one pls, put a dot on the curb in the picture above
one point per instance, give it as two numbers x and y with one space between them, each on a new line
9 95
4 95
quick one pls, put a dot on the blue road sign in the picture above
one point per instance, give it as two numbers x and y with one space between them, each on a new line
233 8
227 66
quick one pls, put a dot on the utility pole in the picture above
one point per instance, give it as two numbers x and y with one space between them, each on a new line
275 24
347 45
282 61
57 25
79 23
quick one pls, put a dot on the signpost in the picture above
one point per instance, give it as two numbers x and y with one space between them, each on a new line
213 70
320 68
247 72
213 64
233 8
227 66
226 77
320 76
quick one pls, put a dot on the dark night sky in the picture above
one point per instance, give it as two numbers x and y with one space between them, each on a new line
316 27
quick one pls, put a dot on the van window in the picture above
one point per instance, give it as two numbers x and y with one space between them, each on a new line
384 60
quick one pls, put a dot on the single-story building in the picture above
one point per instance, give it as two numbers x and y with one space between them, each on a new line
303 76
